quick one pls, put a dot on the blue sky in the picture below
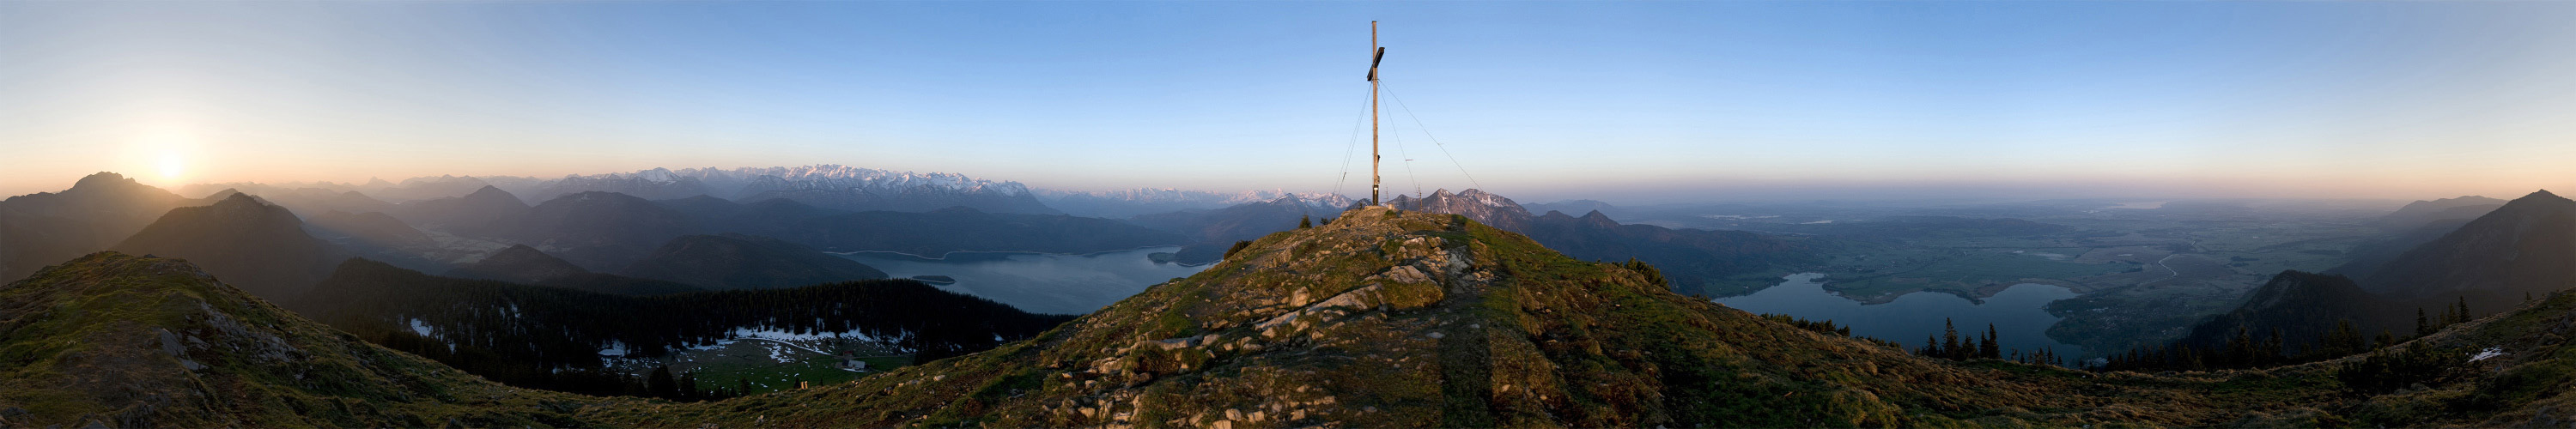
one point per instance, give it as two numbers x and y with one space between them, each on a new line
1630 102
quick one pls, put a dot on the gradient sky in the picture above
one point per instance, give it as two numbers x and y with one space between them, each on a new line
1628 102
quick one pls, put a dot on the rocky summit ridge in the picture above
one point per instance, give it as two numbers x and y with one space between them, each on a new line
1386 318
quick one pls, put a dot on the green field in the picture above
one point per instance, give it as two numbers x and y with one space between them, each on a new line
759 363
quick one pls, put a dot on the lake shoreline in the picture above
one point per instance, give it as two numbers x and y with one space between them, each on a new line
2018 311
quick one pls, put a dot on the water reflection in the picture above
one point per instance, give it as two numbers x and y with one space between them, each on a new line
2019 313
1038 282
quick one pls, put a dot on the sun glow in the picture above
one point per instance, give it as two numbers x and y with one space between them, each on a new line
163 157
174 166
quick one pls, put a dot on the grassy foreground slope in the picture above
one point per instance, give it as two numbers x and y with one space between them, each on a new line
1379 319
131 341
2528 378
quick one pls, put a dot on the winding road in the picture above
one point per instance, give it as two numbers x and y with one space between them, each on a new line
2160 262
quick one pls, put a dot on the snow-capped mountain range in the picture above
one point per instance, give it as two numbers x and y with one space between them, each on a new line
739 183
1129 203
829 186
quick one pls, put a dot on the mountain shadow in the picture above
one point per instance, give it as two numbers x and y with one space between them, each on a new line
2372 254
600 231
527 265
1693 260
2303 309
485 212
2419 213
735 261
964 229
906 199
1213 231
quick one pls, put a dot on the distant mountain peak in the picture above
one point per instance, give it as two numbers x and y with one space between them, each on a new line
2469 199
492 196
1475 204
103 178
2539 198
236 197
257 246
516 250
489 190
518 263
1147 201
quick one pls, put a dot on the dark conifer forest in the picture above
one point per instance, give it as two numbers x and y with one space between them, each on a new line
550 337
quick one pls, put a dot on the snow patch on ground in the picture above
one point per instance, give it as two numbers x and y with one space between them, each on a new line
786 338
615 349
419 327
785 335
2488 353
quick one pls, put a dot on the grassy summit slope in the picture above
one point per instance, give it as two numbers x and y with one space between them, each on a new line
1386 319
2530 380
1380 319
133 341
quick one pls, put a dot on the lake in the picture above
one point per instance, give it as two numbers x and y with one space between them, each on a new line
2019 313
1038 282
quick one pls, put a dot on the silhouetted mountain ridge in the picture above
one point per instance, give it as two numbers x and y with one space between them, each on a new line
2528 246
517 264
485 212
259 247
96 212
2420 212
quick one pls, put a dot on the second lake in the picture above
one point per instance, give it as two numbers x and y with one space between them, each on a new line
2019 313
1038 282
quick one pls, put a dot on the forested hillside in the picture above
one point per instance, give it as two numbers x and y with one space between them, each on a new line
554 337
